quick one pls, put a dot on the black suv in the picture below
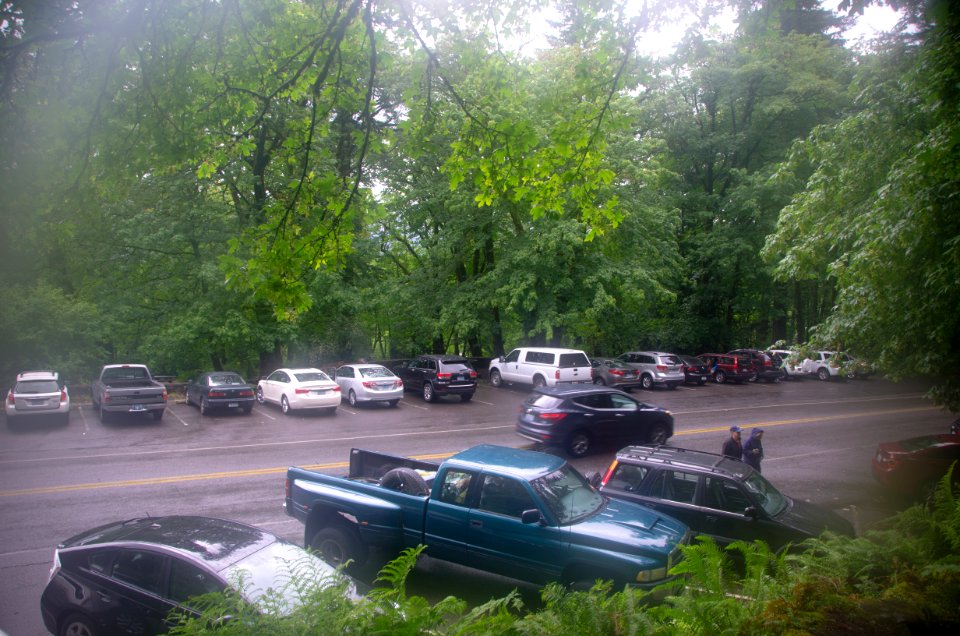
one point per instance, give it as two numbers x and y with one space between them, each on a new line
715 495
437 375
764 367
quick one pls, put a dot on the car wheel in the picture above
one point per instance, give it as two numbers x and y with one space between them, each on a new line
186 399
672 386
259 395
599 381
158 415
539 381
646 381
337 546
720 377
77 625
495 379
204 406
822 374
658 434
104 415
701 382
65 419
466 397
428 392
579 444
247 409
352 398
285 405
393 403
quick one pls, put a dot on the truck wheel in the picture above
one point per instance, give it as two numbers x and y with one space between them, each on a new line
285 405
104 415
579 444
646 381
495 379
405 480
158 415
337 546
539 381
822 374
658 434
428 395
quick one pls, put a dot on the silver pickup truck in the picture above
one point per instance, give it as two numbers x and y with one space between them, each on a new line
127 388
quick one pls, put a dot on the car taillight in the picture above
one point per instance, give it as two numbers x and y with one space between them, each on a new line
399 384
609 473
444 376
246 393
335 389
10 399
63 396
617 372
217 394
556 374
164 395
302 391
473 374
661 367
551 416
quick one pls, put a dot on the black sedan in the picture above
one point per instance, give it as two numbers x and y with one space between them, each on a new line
577 419
127 577
220 389
695 370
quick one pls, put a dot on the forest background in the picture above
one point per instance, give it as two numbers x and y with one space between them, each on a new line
242 184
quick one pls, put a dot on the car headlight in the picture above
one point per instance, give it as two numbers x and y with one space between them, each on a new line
647 576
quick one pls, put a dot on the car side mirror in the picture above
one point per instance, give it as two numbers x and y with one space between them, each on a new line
502 359
750 512
531 516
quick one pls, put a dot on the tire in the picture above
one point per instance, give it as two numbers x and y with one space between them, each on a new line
393 403
822 374
405 480
285 405
247 409
466 397
186 399
104 415
578 444
720 377
337 545
259 395
158 415
646 381
658 434
65 419
204 407
352 398
701 382
539 381
495 379
331 411
77 625
599 381
428 395
672 386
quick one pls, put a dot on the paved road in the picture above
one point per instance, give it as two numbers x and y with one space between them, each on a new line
56 481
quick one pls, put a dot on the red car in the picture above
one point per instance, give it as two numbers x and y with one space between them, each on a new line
915 465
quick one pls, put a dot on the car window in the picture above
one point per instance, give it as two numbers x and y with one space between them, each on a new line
278 376
374 372
675 485
140 569
187 581
593 400
570 360
505 496
513 356
622 402
543 401
311 376
345 372
456 485
627 477
724 494
37 386
670 359
225 378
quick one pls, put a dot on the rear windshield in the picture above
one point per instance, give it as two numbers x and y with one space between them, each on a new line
37 386
568 360
543 401
225 378
376 372
312 376
670 359
125 373
456 365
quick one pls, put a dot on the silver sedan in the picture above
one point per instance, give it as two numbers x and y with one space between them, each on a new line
369 383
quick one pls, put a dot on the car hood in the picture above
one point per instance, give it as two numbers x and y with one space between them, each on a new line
811 520
622 523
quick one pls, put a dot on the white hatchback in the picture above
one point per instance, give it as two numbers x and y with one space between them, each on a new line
38 393
295 389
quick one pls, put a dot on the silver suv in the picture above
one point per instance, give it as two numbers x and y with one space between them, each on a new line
38 393
655 367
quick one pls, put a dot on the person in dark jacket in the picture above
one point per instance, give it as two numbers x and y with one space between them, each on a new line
753 449
732 447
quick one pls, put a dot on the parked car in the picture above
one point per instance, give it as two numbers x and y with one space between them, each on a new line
437 375
614 373
126 577
295 389
37 394
716 496
789 363
579 418
727 368
695 369
764 368
220 389
914 466
826 365
655 367
541 366
369 383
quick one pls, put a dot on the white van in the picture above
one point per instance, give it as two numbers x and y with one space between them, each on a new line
541 366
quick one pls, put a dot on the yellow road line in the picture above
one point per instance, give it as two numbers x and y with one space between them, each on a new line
256 472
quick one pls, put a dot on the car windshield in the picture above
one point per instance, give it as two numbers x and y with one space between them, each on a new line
37 386
312 376
267 575
225 378
568 495
375 372
770 499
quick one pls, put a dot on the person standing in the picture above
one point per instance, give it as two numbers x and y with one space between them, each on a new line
732 447
753 449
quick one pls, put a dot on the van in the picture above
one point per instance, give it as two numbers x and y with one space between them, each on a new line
541 366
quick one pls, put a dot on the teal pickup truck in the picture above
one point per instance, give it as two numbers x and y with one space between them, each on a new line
522 514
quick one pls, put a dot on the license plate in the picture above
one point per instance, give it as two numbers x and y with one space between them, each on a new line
703 377
320 392
138 407
232 404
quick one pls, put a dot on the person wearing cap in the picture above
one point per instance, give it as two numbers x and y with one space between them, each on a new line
732 447
753 449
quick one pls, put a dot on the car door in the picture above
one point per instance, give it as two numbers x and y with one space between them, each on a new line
673 492
600 419
274 386
724 512
448 513
131 598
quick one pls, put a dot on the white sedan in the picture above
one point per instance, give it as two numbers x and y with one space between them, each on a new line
295 389
369 383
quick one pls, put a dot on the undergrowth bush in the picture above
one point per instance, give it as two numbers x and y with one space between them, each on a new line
901 578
